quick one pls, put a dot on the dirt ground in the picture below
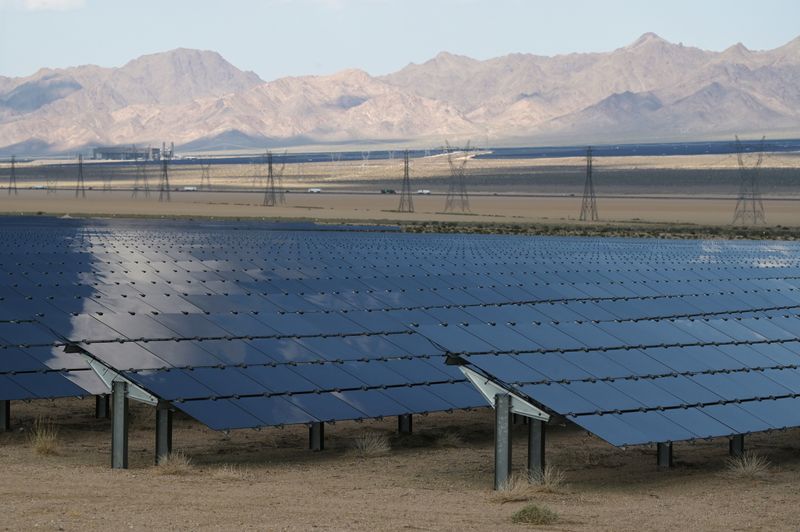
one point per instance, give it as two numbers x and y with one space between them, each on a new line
382 208
439 478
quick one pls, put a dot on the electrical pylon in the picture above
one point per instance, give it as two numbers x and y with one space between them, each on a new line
140 181
749 207
457 197
163 182
12 178
80 187
274 194
406 200
205 176
589 203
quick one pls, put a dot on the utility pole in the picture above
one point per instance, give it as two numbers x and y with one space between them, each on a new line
749 207
457 197
12 179
589 203
406 200
80 187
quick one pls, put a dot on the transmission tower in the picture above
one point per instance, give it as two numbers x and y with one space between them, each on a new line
107 181
140 181
80 187
364 161
205 177
12 178
163 183
274 194
457 197
749 207
406 201
589 203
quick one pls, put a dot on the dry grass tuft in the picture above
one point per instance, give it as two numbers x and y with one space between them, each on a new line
524 487
371 444
449 439
44 437
174 464
533 514
549 481
232 472
749 465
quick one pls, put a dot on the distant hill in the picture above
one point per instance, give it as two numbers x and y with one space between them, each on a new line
649 90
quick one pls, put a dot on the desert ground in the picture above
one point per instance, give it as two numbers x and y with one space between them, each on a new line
438 478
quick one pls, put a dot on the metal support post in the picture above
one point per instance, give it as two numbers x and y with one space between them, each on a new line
502 440
536 439
119 425
101 407
5 416
736 445
316 436
664 452
163 431
404 424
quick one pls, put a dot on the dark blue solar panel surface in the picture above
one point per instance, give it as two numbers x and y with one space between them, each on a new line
244 325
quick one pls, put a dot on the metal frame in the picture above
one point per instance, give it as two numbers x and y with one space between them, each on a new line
102 406
502 440
405 423
536 440
316 436
5 415
489 389
163 431
736 445
119 425
664 455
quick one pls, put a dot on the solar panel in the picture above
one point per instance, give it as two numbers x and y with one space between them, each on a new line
247 325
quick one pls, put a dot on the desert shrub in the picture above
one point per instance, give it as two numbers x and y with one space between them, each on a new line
174 464
44 437
533 514
748 465
371 444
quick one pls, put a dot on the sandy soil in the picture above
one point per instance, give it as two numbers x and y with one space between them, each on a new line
439 478
377 207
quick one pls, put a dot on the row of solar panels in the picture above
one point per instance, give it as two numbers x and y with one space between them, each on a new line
327 349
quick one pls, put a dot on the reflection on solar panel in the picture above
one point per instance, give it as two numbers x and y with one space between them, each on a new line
245 325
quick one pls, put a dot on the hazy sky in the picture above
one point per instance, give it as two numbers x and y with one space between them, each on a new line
276 38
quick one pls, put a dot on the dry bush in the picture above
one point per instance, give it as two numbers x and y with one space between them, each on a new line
533 514
550 480
44 437
524 487
174 464
371 444
449 439
749 465
232 472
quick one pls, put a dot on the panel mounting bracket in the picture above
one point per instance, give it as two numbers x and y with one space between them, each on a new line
489 389
109 376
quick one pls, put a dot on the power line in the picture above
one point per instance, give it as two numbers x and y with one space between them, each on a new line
80 187
749 207
457 197
406 200
589 203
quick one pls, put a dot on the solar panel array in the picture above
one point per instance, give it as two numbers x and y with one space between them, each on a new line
242 325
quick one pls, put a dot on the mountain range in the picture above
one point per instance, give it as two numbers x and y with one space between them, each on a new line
650 90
